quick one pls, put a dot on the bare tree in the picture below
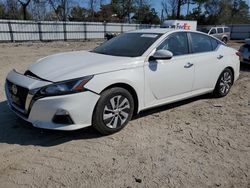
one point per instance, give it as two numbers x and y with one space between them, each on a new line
101 2
61 8
174 6
24 5
38 9
12 9
170 7
92 6
180 3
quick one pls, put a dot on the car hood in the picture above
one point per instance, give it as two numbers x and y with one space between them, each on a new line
70 65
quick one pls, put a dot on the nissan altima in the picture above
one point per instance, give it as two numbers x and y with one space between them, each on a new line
132 72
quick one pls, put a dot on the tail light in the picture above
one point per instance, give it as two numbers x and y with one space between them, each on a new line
238 53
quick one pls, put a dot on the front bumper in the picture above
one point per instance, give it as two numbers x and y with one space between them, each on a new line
79 106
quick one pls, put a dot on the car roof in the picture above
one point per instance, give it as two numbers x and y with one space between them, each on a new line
163 31
155 30
166 30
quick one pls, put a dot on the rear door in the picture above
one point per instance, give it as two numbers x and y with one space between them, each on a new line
207 61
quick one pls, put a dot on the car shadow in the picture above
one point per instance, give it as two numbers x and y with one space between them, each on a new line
170 106
14 130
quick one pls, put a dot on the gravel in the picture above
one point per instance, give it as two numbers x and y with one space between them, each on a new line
201 142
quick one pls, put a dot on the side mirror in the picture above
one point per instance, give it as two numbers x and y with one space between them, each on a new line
161 55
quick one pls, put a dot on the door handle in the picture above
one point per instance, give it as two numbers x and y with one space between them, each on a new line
188 65
220 57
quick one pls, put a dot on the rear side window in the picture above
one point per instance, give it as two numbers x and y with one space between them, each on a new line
177 43
201 43
226 30
220 30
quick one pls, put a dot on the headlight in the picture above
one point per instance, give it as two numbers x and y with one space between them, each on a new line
67 87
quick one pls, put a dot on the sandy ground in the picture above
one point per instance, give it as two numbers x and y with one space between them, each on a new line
202 142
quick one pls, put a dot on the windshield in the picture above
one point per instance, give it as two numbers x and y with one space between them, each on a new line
205 30
128 44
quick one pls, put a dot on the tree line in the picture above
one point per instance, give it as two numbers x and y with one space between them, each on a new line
206 12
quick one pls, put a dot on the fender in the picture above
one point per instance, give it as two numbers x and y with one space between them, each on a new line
133 77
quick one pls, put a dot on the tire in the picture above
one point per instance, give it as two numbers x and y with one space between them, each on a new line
224 83
109 116
225 40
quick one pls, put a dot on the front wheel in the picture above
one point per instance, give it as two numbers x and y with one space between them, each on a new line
225 40
224 83
113 110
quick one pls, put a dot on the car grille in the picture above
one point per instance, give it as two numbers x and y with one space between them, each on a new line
17 94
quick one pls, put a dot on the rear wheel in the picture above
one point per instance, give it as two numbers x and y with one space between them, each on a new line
224 83
113 111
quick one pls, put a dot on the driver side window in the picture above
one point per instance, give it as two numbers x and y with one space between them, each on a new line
176 43
213 31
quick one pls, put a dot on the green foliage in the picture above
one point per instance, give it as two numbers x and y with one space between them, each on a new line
125 10
240 12
108 13
145 15
212 12
78 14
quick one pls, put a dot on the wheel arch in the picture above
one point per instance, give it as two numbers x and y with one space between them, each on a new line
130 89
228 67
231 68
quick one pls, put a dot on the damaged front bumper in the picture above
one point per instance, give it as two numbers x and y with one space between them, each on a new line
64 112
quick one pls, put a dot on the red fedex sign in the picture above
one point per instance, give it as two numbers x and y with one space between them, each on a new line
185 26
180 24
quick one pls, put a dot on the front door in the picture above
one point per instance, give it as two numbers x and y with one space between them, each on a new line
169 78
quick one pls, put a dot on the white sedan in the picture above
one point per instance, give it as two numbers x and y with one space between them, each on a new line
135 71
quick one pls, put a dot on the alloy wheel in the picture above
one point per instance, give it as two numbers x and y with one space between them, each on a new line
116 111
225 82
